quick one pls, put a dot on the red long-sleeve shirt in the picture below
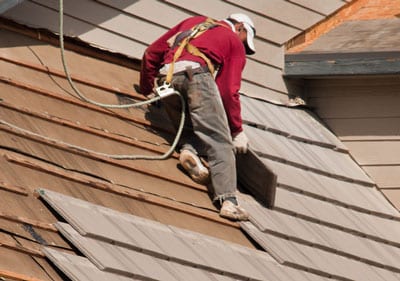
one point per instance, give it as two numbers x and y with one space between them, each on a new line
221 45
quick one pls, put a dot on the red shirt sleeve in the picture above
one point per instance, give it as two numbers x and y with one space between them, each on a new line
228 80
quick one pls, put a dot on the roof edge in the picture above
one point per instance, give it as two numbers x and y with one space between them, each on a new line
327 64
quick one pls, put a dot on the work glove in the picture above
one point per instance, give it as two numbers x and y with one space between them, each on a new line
241 142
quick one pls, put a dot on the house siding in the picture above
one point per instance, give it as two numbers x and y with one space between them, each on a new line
363 113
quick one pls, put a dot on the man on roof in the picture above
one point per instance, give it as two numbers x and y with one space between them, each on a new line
214 126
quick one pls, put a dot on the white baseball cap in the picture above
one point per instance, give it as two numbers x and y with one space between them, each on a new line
251 31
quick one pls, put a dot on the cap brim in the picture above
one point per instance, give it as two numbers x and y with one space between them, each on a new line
249 44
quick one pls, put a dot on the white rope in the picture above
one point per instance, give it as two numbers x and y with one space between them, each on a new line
136 104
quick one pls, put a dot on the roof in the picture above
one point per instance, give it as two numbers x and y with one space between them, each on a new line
361 41
65 212
127 27
353 48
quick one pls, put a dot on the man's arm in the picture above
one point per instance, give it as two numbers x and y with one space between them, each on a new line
228 81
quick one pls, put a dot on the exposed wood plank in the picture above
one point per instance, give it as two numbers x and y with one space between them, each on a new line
17 276
10 244
129 193
74 77
139 203
52 124
13 188
32 233
132 165
23 95
35 223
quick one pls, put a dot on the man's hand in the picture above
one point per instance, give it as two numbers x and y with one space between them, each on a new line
240 142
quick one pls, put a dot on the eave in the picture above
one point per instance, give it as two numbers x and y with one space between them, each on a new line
338 64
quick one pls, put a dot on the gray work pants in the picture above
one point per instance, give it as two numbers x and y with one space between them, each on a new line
206 130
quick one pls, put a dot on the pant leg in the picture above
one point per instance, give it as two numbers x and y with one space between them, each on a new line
210 125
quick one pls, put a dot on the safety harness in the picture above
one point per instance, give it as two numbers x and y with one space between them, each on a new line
184 43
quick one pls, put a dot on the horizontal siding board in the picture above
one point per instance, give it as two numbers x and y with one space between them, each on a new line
357 107
354 87
282 11
384 176
375 152
394 195
266 29
365 129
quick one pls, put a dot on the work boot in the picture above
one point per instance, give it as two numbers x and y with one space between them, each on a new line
192 164
233 212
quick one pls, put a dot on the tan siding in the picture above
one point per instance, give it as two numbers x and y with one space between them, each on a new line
364 114
394 195
366 128
385 176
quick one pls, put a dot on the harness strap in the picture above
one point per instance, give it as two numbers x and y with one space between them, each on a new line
196 31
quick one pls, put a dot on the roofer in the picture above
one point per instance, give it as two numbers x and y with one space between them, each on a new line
215 124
